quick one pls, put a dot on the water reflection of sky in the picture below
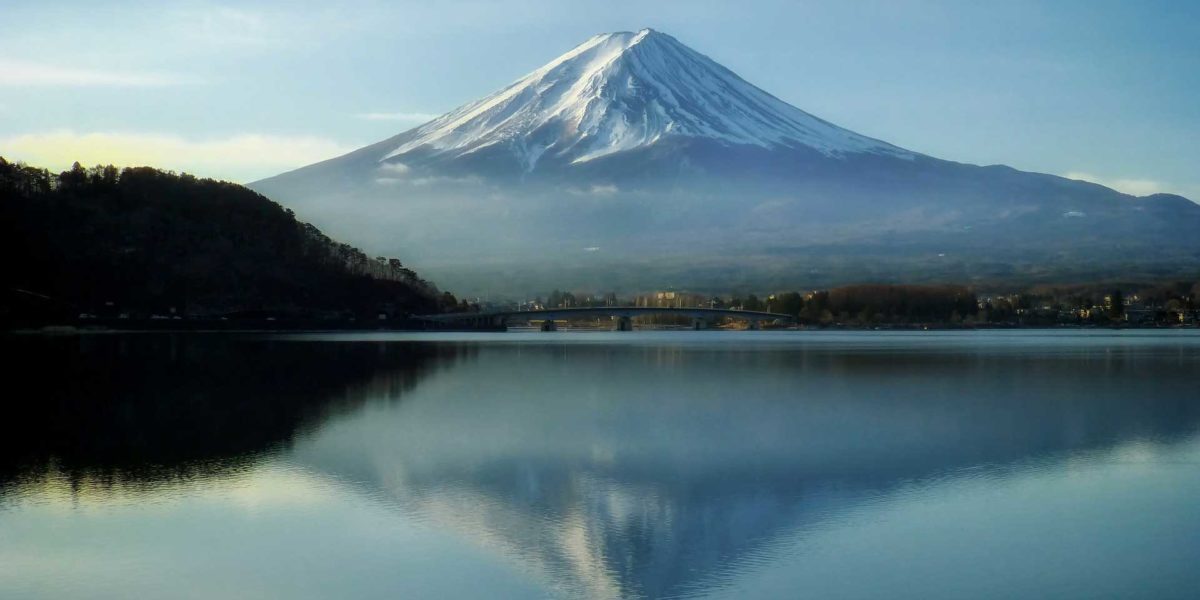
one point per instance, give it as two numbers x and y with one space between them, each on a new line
661 466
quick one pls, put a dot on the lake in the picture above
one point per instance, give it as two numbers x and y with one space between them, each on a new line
1002 464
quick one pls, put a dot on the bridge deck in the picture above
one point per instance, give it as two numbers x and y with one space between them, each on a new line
558 314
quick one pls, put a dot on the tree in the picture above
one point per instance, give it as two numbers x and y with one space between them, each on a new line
1115 303
789 303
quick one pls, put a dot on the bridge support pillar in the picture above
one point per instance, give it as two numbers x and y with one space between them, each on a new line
753 325
549 325
624 324
699 323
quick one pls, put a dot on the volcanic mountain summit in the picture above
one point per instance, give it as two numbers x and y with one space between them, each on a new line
623 91
633 161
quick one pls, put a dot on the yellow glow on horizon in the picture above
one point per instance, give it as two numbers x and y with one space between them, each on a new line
243 157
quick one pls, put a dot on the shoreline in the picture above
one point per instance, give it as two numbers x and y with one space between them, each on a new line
243 328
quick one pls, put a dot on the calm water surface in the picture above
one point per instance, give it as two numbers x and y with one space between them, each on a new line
602 465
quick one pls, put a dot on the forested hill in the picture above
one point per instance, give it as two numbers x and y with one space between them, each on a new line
140 242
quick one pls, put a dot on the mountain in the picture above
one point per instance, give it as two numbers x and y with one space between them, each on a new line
635 162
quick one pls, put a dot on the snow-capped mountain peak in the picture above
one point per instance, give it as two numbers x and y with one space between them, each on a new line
621 91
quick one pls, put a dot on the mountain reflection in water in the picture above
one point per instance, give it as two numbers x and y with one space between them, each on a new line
602 466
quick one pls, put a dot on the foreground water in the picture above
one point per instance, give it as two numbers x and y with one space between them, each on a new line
597 465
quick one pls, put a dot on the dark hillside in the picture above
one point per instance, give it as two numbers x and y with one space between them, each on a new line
138 242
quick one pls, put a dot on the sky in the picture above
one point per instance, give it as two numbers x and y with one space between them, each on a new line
241 90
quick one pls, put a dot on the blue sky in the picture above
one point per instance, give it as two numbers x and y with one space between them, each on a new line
1106 91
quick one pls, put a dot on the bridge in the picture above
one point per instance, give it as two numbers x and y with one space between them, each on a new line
701 317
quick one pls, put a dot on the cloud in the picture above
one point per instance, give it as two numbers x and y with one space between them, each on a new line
226 26
427 180
242 157
1136 187
392 173
398 116
595 190
394 168
262 27
25 73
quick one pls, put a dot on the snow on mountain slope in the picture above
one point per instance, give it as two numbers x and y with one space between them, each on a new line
625 90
